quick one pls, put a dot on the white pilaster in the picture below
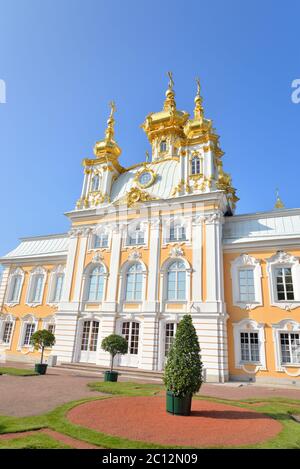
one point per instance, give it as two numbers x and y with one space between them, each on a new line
70 266
110 304
80 265
197 226
214 263
154 262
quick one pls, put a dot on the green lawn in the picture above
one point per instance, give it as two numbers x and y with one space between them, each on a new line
38 441
279 409
16 371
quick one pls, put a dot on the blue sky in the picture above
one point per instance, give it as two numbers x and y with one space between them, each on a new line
63 61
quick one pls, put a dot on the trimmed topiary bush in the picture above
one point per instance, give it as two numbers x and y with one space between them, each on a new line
114 344
41 340
183 370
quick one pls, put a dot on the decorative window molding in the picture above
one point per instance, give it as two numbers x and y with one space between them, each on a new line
123 275
27 320
164 279
49 323
176 230
245 262
284 260
87 278
37 280
100 238
136 234
7 327
285 326
248 326
56 284
15 281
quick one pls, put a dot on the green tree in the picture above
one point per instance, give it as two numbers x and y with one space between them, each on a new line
114 344
41 340
183 370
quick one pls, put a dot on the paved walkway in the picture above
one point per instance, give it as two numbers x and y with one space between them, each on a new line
33 395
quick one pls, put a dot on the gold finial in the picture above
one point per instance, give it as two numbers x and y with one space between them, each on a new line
170 104
109 133
278 204
198 110
171 81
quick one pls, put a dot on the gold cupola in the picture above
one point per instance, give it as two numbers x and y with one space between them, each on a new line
164 129
108 148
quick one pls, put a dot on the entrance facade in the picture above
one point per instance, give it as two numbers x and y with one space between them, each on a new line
89 341
130 330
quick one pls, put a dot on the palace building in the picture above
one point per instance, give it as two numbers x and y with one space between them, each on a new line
150 243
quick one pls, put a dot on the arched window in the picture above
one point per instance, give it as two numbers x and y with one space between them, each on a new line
15 285
196 165
177 232
95 183
134 282
96 284
176 284
163 146
36 286
136 236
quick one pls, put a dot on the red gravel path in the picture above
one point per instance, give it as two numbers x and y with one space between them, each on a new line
145 419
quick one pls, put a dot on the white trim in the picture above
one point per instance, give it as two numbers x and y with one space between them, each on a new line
164 280
28 319
86 281
249 325
4 318
171 318
283 259
144 228
123 281
16 272
176 220
56 271
240 263
36 271
284 326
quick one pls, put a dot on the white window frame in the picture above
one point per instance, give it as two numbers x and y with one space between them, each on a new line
284 326
131 228
279 260
28 319
170 318
99 231
200 159
164 280
5 318
49 321
13 274
244 261
57 271
36 271
86 281
249 325
123 281
180 222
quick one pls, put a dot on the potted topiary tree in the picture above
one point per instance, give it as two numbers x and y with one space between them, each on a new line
41 340
183 370
113 344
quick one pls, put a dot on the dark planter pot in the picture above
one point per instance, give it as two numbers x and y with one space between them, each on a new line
111 376
40 368
178 405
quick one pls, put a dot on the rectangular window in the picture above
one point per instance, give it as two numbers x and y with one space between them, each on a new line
249 347
177 233
15 289
51 328
100 241
36 289
284 284
58 288
290 348
29 330
7 332
170 332
246 285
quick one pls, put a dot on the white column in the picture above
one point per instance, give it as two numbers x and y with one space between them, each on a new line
70 266
111 302
154 262
80 265
197 226
214 255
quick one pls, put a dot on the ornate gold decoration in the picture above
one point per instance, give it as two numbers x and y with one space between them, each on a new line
108 146
136 195
138 175
278 204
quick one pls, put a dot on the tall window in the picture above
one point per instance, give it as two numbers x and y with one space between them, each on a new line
290 348
163 146
130 331
59 280
134 282
284 283
169 337
136 236
90 336
196 165
36 288
246 285
95 183
177 232
249 347
176 289
7 331
100 241
29 330
15 287
96 284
